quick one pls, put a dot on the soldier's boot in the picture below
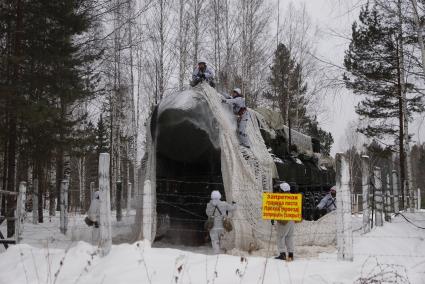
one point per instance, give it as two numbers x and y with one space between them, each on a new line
290 256
281 256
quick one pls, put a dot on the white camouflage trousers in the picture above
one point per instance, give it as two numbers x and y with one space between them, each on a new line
243 137
215 236
285 236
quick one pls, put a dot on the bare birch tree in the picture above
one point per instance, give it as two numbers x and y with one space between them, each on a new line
254 43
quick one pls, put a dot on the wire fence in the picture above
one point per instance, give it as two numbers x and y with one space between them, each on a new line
188 221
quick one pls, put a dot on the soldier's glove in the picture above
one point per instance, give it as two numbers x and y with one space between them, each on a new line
223 100
202 76
272 221
88 221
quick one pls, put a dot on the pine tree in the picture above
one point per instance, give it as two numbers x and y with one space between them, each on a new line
288 92
60 70
325 138
373 66
288 87
53 75
375 61
102 137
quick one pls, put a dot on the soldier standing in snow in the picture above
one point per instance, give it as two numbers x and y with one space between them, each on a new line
202 73
218 209
94 211
240 110
328 201
285 232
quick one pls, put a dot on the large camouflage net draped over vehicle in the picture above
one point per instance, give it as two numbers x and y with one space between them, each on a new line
246 173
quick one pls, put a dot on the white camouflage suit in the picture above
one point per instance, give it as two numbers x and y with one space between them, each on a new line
94 210
94 215
214 207
328 202
197 75
238 102
285 229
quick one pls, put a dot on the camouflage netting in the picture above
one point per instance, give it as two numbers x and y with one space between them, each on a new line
246 173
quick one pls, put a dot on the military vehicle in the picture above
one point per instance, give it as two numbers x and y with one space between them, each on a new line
185 131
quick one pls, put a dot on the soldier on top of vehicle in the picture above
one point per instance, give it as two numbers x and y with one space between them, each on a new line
202 73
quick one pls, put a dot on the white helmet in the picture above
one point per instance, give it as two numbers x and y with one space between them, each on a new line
202 60
216 195
285 187
237 90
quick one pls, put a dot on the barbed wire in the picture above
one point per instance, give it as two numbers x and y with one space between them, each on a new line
409 221
176 228
413 255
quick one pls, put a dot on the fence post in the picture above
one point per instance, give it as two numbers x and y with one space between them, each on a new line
119 200
128 199
419 199
105 240
344 222
20 210
35 202
64 206
365 194
396 193
378 197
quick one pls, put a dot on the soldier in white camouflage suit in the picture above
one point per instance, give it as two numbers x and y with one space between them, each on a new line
218 210
328 202
93 214
285 232
202 73
239 109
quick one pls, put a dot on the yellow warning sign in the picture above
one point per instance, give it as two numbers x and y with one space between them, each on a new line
282 206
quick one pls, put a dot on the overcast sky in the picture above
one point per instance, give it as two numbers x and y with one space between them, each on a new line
334 19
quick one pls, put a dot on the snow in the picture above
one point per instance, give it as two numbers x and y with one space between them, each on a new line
397 248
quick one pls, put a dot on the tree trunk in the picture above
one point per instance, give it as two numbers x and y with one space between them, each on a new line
182 44
195 31
161 53
408 176
134 115
12 125
59 174
419 27
4 187
39 176
228 47
401 134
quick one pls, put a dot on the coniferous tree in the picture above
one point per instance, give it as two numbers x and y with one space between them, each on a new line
326 139
53 75
288 87
288 92
373 66
102 137
375 62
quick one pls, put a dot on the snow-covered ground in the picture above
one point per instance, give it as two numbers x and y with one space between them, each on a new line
395 251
